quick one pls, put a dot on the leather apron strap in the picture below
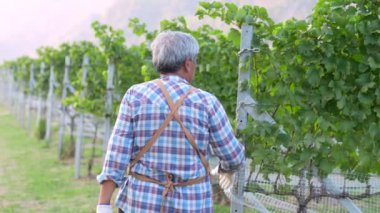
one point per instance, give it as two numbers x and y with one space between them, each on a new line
169 185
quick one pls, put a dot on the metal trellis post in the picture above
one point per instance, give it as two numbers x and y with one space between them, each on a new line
78 144
40 99
50 104
22 100
13 92
244 76
30 97
10 88
63 108
242 115
107 131
346 202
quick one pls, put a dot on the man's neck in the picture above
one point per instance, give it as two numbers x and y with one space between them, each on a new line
180 73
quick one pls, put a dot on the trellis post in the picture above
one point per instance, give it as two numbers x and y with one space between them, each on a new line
14 93
30 97
243 82
63 108
108 108
22 101
40 98
50 105
345 202
10 88
78 144
3 85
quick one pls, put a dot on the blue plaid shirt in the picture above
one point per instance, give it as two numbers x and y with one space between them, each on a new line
141 113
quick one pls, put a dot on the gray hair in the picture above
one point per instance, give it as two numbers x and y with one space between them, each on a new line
171 48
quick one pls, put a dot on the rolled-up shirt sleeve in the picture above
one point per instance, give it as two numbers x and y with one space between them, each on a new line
119 145
223 141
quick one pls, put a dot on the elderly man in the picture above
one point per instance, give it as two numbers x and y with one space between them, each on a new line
158 151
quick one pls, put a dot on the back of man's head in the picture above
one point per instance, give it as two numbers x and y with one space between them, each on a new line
171 48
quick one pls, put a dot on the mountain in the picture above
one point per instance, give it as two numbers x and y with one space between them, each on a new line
51 23
152 12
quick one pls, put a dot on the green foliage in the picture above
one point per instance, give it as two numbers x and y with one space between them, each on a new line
111 40
321 86
94 88
139 29
21 73
229 13
317 77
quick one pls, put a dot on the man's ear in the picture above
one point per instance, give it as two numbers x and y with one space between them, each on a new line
187 65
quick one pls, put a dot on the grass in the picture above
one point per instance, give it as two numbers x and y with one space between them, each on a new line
32 179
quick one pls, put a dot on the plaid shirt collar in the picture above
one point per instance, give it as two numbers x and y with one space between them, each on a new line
175 78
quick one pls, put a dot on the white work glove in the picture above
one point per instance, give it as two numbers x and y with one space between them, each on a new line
225 178
103 209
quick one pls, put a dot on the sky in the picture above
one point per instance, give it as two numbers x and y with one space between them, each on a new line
26 25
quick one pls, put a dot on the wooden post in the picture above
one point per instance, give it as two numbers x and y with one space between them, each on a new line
78 144
41 104
50 105
66 82
108 108
30 97
241 114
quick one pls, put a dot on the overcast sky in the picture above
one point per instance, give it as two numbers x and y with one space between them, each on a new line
26 25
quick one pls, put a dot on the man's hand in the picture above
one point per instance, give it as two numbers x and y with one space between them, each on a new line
103 208
225 178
